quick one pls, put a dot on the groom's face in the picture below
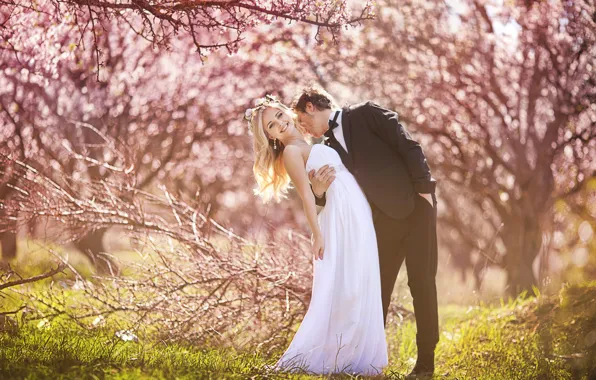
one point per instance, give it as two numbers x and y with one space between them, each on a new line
315 122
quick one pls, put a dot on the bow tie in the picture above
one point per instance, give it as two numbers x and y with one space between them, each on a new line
332 124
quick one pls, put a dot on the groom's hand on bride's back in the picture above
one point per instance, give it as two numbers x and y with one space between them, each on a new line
321 179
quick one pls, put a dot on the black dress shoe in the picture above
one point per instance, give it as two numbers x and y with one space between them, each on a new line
420 375
424 368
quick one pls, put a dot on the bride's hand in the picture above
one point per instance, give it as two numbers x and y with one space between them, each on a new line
318 246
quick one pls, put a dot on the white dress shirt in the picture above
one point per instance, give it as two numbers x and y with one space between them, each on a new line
338 131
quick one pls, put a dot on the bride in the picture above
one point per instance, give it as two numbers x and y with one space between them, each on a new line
343 329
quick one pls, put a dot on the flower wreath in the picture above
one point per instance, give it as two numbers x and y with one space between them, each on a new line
259 104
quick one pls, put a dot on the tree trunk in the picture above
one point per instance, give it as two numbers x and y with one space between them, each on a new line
8 242
522 239
92 246
8 226
8 235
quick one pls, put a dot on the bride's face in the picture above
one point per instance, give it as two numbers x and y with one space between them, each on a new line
278 124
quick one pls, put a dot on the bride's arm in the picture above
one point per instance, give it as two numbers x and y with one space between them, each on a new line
294 165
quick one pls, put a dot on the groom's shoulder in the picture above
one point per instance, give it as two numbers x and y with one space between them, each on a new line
367 107
363 106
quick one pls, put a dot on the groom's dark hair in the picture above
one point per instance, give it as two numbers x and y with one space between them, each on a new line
316 95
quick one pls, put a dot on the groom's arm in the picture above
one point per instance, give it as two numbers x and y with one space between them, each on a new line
386 125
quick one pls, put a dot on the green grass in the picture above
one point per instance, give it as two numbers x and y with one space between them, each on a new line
545 338
542 338
68 352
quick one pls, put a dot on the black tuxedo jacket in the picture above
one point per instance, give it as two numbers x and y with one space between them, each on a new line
389 166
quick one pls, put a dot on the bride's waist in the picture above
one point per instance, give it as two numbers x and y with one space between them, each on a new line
339 168
342 175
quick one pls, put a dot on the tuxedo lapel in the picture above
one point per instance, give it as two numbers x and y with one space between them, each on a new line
345 158
347 132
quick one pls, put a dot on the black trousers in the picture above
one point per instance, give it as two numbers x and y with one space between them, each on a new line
413 239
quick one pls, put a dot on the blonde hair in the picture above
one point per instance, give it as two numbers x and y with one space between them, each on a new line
273 181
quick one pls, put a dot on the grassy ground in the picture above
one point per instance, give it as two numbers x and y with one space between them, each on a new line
543 338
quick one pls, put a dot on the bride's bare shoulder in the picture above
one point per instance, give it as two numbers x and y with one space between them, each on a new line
294 153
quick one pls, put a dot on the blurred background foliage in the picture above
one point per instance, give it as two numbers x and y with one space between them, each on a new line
500 94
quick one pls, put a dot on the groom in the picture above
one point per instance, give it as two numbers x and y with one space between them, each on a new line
392 171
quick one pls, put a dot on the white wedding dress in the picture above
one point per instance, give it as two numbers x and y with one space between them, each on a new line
342 330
